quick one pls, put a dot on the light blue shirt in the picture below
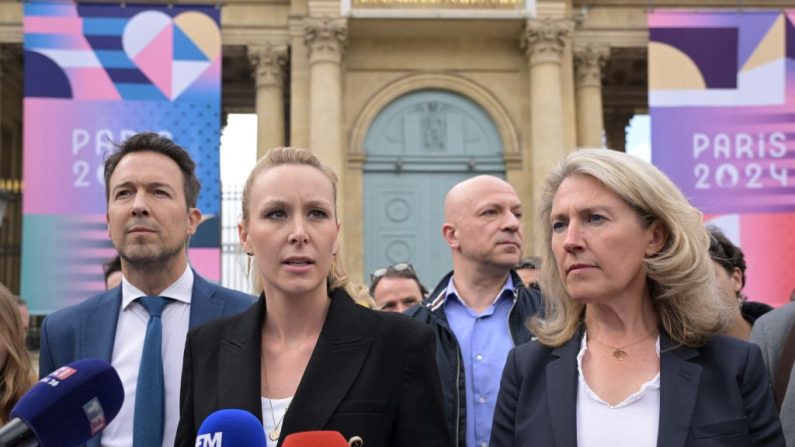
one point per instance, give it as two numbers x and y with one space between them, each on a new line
484 340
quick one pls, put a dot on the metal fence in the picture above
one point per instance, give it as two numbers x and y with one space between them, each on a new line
233 260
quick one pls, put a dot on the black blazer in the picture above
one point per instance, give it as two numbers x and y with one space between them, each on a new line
372 374
715 395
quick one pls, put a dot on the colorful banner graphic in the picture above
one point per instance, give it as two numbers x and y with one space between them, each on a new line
722 100
96 74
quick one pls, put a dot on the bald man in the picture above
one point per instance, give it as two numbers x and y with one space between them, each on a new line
479 309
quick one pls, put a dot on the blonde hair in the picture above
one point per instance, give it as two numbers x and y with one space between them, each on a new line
16 375
680 276
361 294
338 277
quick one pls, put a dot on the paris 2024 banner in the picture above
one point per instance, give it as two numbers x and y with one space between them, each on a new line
96 74
722 100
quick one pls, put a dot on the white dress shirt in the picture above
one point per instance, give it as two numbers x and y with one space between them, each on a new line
129 346
635 422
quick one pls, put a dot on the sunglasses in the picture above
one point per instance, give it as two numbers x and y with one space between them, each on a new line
400 267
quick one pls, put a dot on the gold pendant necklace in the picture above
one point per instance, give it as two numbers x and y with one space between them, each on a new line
618 351
273 434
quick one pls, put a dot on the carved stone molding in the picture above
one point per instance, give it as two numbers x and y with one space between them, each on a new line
268 62
589 61
543 40
325 37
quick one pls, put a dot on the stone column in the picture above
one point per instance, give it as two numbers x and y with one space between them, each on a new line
589 61
616 122
268 62
299 83
544 41
325 38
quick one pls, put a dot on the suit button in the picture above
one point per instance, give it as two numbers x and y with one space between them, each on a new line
356 441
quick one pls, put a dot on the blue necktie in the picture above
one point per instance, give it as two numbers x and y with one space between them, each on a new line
150 391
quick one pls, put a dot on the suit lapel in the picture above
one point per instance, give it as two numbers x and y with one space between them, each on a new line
562 393
203 304
239 362
335 362
679 379
98 327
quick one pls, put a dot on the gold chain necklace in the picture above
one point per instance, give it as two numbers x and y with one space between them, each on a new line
619 352
273 434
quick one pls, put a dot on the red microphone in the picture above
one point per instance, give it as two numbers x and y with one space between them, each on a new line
321 438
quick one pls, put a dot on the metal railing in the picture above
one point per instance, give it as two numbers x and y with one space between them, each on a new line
233 260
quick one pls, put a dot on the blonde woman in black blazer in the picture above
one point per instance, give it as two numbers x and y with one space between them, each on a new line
627 353
340 366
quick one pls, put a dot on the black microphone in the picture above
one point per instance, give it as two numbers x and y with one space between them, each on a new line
66 408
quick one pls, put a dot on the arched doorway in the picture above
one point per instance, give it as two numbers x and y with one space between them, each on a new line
417 148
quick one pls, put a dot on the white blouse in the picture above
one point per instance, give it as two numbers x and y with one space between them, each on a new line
631 423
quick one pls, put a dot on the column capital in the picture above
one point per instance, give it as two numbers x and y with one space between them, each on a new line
543 40
267 62
325 37
589 61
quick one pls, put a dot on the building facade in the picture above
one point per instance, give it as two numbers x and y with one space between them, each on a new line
403 98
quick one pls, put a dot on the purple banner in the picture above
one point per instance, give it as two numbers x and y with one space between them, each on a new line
722 100
96 74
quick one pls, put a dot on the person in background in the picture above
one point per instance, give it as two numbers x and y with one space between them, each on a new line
16 370
306 356
140 327
628 352
527 269
479 310
729 262
396 288
112 272
773 332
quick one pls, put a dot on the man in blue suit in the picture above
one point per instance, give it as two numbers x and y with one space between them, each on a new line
140 327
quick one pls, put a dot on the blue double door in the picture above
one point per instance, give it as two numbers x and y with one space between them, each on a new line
418 147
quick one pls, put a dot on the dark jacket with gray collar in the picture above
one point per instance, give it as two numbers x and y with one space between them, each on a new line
526 303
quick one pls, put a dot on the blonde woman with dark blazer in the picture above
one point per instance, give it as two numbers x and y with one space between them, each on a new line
628 352
306 356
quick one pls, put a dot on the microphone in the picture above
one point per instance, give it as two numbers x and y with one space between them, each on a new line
231 428
66 408
320 438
